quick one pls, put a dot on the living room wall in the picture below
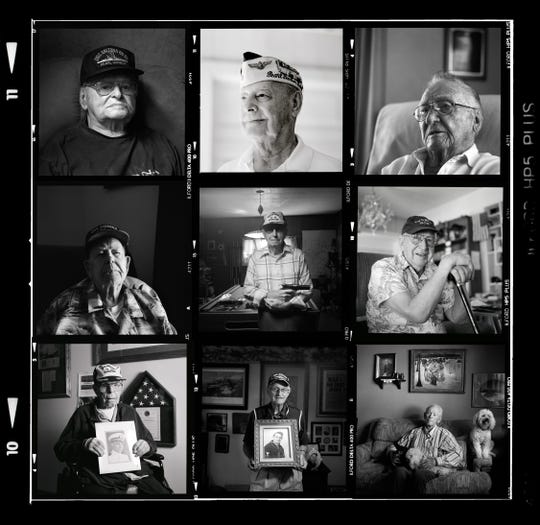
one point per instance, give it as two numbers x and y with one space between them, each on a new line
373 403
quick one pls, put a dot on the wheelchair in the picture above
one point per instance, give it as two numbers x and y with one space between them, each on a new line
71 481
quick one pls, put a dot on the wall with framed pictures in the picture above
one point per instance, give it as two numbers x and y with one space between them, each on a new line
483 362
318 387
52 414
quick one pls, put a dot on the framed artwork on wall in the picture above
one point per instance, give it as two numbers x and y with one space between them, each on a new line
437 371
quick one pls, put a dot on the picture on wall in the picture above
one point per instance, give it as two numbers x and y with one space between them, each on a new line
437 371
488 390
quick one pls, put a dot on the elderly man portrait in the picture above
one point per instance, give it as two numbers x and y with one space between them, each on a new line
437 446
270 102
449 117
409 293
107 301
276 479
108 139
277 278
78 442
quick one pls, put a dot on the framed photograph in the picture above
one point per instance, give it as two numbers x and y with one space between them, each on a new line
298 374
328 436
52 378
332 386
216 422
119 438
225 386
466 52
239 422
437 371
222 444
155 406
128 352
488 390
85 388
277 443
385 366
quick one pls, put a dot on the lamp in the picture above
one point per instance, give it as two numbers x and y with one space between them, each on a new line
374 214
257 234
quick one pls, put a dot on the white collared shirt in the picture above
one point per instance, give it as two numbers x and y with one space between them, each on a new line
470 162
303 158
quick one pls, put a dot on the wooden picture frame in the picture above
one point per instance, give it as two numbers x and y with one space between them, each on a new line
329 437
276 443
385 366
155 406
332 391
130 352
221 444
216 422
225 386
52 376
437 371
239 422
465 52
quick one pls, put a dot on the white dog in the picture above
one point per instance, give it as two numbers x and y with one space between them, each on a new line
414 458
480 435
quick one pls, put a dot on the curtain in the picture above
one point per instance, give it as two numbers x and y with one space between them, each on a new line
370 84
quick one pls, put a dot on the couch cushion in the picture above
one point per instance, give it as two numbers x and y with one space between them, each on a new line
460 482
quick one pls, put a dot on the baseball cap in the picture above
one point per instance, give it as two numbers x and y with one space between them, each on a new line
274 217
105 59
117 436
256 68
417 223
107 372
107 230
278 377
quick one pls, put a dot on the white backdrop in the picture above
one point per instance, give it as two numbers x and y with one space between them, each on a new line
316 53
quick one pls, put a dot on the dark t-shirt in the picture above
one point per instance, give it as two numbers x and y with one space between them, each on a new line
81 151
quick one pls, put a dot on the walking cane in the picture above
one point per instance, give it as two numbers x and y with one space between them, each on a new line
465 301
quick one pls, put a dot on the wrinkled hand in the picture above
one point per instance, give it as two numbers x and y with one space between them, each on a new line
96 446
251 464
303 460
459 265
281 296
428 463
140 448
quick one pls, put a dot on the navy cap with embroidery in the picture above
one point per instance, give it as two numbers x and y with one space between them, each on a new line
107 372
274 217
107 230
105 59
278 377
417 223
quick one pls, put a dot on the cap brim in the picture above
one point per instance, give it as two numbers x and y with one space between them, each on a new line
107 379
279 381
131 70
422 228
121 236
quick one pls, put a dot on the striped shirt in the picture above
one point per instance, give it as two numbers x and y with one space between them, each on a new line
437 443
470 162
79 310
267 272
394 275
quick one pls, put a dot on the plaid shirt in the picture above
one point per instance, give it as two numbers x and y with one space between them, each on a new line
393 275
79 310
437 443
266 273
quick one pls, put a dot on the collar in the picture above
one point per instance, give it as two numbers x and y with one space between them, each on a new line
95 303
284 412
427 432
470 156
298 160
265 251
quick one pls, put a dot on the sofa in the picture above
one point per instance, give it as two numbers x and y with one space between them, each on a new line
373 471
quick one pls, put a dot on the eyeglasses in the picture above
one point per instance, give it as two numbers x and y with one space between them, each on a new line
277 389
443 107
113 385
106 88
271 227
417 239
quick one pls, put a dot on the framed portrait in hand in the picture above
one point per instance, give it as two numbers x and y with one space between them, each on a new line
118 438
277 443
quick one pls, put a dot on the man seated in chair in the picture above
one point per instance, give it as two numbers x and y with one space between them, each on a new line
450 118
409 293
108 301
78 443
107 140
436 449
